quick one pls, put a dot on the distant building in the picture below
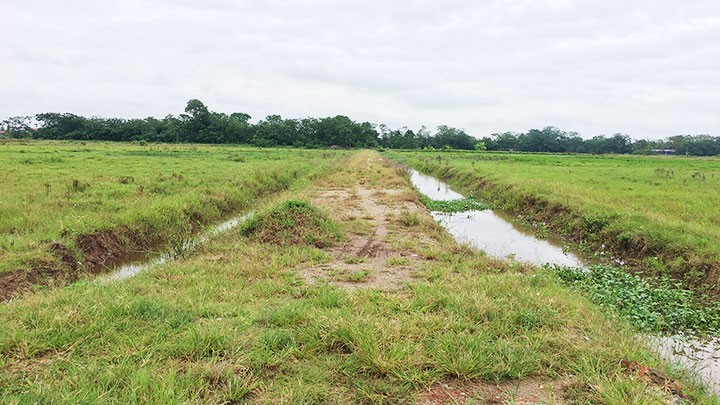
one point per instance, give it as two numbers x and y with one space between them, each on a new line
664 151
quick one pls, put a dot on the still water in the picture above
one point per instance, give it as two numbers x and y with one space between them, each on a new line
489 232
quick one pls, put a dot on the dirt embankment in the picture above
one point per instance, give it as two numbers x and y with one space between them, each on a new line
595 233
95 253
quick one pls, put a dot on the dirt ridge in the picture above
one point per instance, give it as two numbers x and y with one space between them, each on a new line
372 258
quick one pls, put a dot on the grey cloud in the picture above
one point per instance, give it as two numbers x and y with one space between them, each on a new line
647 68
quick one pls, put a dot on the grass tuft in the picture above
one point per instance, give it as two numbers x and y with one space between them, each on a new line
293 223
409 219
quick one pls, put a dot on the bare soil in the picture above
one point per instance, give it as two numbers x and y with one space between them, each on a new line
532 390
365 260
371 255
100 251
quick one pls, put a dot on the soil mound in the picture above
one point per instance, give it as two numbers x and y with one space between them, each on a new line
293 223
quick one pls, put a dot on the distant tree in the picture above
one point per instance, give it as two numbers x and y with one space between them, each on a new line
619 143
16 127
199 124
453 138
704 145
504 141
61 126
195 120
574 143
548 139
239 128
680 143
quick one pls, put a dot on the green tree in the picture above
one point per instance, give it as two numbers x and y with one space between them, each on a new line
16 127
453 138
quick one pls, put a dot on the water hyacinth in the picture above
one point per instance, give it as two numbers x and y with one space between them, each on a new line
660 306
461 205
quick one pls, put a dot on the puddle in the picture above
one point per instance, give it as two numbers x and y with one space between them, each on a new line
133 269
491 233
701 357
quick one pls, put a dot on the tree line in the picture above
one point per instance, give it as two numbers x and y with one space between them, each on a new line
551 139
200 125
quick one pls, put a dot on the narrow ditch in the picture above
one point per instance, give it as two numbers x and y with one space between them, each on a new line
498 236
132 269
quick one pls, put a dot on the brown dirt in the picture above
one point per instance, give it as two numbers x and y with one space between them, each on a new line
102 249
532 390
34 361
13 283
653 376
368 259
99 250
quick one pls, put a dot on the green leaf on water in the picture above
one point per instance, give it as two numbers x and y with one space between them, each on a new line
465 204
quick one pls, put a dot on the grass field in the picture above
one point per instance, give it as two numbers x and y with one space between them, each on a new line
96 204
341 289
659 213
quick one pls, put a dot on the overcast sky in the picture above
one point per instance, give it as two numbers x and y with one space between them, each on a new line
650 69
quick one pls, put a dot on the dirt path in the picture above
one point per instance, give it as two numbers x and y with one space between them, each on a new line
531 390
389 235
380 210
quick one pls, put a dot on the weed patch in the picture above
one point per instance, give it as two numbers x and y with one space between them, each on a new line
397 261
462 205
661 307
408 219
354 260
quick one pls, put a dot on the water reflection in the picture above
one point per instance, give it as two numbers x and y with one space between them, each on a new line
433 188
488 232
495 236
702 357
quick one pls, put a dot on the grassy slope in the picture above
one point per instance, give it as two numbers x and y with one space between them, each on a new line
663 208
57 191
234 322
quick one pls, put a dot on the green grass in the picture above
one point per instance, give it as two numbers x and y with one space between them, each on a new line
354 260
244 328
146 195
657 212
409 219
397 261
663 307
234 321
293 223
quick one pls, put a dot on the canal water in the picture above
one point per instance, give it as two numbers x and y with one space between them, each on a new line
134 268
490 232
500 237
